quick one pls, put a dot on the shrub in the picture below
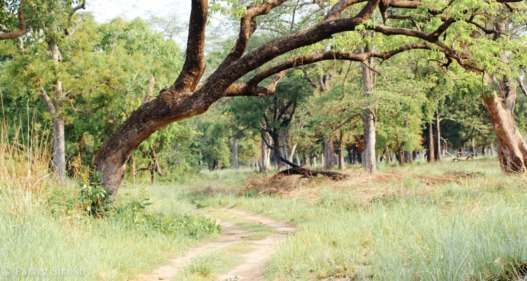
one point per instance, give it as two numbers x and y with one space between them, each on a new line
134 215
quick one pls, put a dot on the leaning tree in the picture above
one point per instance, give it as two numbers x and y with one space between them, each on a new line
449 30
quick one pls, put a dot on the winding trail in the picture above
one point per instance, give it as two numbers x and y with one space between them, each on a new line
254 262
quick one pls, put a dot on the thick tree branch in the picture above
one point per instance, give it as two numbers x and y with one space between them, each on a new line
194 62
247 28
450 53
81 6
243 89
49 103
337 9
222 78
405 17
22 29
522 86
308 79
442 28
251 87
481 27
405 4
310 59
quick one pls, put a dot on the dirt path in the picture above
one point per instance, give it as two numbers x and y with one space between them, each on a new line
254 262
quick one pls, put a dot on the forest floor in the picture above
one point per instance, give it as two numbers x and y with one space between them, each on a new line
254 260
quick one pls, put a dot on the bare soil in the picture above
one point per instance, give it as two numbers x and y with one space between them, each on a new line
254 262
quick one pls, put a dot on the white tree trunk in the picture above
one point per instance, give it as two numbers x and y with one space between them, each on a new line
369 120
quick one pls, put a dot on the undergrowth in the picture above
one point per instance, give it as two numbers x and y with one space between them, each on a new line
63 230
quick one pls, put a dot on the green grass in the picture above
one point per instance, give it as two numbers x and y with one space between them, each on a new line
208 267
474 228
441 221
37 244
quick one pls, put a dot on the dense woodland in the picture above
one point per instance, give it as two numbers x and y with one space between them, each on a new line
344 83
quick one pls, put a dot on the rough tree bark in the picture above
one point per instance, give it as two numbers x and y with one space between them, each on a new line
512 149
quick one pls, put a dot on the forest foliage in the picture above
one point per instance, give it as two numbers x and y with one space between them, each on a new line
107 70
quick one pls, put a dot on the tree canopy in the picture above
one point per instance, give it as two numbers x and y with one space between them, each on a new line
304 70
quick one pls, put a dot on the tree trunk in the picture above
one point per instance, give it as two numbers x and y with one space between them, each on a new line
59 148
438 128
474 149
234 149
408 152
431 146
265 161
408 156
328 153
358 155
491 149
369 119
292 152
276 150
341 163
340 150
512 149
350 157
133 167
400 157
54 106
168 107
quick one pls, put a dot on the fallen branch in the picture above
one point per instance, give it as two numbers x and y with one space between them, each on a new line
307 173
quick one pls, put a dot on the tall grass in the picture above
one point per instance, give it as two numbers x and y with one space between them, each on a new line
24 161
45 235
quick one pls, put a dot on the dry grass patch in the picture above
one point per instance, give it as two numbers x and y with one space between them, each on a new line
361 187
262 184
